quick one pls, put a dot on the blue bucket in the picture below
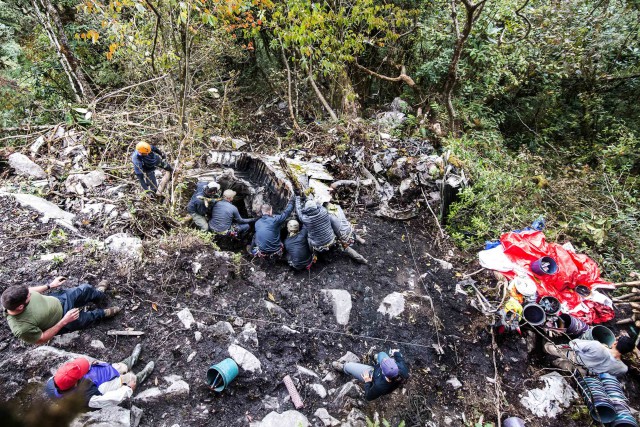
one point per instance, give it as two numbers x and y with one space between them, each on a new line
221 374
544 266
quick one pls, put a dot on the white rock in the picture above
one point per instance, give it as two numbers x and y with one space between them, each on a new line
55 256
271 403
198 336
114 416
392 305
349 389
286 419
222 329
24 166
186 318
331 376
178 388
454 382
37 144
125 244
136 416
92 209
245 359
191 356
341 301
65 339
274 308
304 371
249 335
356 418
319 389
326 418
148 395
97 344
94 178
45 207
196 267
550 400
405 185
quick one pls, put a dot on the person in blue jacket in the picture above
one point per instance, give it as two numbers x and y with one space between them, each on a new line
387 375
146 158
296 245
101 384
266 241
202 202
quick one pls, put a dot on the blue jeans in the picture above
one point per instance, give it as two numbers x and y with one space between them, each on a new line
148 180
357 369
78 297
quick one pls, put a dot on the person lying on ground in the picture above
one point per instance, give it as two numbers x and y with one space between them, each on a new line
591 356
344 231
225 218
299 254
266 240
36 318
101 384
316 220
387 375
146 158
202 202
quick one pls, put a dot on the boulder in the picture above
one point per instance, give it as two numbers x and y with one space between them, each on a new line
26 167
390 120
125 244
349 357
392 305
350 389
186 318
356 418
177 388
341 301
65 339
45 207
319 390
245 359
249 335
287 418
114 416
222 329
94 178
326 418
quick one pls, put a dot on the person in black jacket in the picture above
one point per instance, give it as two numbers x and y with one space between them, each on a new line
146 158
387 375
202 202
299 254
318 224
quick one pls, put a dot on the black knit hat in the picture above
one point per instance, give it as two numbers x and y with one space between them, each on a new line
625 345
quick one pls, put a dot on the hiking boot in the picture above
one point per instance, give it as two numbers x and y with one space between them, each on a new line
131 360
142 375
111 311
338 366
102 286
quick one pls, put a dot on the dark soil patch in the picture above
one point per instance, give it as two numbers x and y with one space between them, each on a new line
233 289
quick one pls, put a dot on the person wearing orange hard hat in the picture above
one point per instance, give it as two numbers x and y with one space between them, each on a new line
102 384
146 158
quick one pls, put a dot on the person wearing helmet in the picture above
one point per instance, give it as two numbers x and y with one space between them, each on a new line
146 158
202 202
316 220
266 241
383 378
225 218
101 384
299 254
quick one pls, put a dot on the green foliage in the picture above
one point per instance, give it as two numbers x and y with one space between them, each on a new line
383 423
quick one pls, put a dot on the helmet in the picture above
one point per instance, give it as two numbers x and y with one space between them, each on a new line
212 188
143 148
293 226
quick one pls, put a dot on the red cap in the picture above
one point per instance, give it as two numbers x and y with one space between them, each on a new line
70 373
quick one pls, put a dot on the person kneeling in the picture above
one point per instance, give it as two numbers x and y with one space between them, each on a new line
102 384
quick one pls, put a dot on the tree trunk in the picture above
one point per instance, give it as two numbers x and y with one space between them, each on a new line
48 16
472 12
321 97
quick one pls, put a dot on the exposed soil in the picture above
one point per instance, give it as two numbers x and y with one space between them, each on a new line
234 289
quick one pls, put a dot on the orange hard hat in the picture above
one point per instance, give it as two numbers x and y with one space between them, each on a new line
143 147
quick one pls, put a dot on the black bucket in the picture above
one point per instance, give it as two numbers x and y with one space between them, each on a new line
534 314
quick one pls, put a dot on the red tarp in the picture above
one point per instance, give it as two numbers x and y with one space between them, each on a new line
574 269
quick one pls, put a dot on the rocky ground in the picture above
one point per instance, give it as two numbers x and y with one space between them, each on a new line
197 305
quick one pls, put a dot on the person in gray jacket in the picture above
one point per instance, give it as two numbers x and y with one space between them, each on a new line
316 220
299 254
343 229
591 356
266 241
225 218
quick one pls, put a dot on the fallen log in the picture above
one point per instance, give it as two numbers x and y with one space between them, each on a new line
125 333
621 284
624 321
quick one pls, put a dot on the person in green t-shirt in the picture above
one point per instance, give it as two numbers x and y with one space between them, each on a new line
36 318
